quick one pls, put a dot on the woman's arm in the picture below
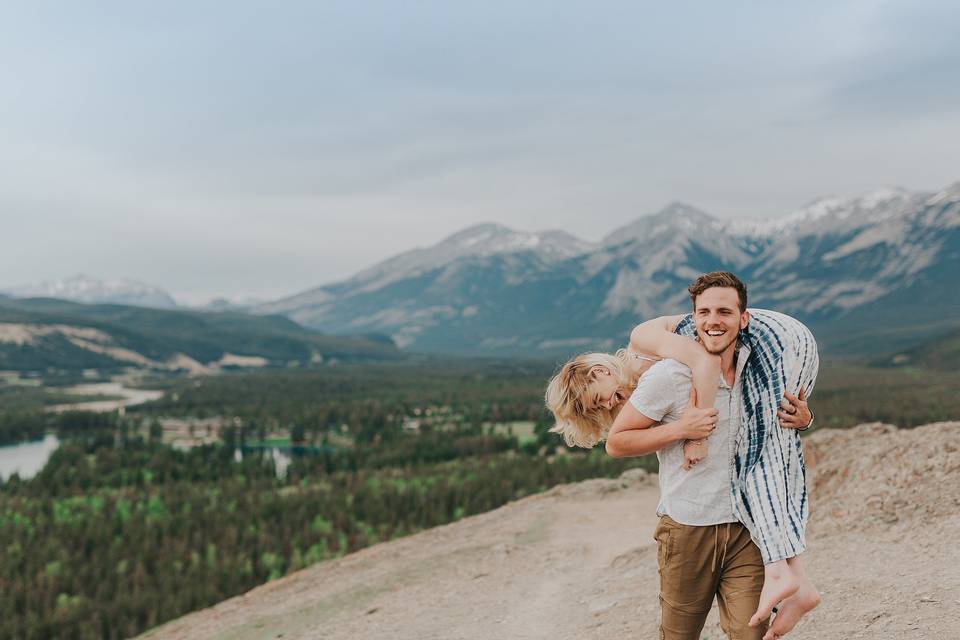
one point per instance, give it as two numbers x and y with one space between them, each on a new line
656 337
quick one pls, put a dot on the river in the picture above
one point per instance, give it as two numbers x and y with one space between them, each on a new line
129 397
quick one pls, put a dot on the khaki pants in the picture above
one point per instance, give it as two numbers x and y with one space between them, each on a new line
698 563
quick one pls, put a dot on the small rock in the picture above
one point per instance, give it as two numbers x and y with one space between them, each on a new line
599 607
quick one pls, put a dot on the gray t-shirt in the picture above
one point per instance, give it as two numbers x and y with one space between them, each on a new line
702 495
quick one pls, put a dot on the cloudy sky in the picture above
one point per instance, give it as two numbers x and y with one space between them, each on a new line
243 148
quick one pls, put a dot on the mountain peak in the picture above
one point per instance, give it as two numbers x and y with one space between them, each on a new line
681 210
479 241
835 211
490 238
676 216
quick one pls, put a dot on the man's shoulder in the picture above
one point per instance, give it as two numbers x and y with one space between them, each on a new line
662 390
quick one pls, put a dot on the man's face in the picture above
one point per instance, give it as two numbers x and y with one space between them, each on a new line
718 318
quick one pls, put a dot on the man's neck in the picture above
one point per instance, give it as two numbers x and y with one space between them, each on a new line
728 363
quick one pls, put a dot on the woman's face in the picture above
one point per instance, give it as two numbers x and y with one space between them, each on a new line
604 391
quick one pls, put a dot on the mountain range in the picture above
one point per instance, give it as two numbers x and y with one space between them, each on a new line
870 274
89 290
40 334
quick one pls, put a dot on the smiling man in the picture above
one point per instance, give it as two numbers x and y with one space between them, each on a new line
712 516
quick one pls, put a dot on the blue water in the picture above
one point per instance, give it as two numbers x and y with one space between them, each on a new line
26 458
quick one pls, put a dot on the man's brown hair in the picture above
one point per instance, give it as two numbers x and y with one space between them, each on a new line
718 279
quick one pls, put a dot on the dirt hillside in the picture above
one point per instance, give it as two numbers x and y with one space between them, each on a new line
579 561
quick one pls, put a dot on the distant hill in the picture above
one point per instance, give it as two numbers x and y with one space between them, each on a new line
940 354
870 274
81 288
43 333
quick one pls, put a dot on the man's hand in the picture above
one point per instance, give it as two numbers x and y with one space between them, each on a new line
794 412
695 423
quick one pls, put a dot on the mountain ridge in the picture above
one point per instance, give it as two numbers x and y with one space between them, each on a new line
37 334
879 258
90 290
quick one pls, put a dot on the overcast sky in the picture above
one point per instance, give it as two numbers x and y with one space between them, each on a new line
242 148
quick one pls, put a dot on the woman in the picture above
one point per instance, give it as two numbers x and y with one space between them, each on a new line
587 393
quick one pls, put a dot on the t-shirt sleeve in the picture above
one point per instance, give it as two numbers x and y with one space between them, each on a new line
658 390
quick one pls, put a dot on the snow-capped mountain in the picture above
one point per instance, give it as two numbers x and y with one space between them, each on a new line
478 243
884 260
81 288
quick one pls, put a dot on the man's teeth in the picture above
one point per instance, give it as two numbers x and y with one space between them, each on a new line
715 333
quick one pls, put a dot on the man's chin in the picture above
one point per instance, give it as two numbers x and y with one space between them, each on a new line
715 349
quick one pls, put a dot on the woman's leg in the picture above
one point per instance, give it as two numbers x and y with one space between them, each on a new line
796 606
780 582
770 492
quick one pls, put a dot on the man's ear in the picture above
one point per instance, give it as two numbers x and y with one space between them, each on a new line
744 319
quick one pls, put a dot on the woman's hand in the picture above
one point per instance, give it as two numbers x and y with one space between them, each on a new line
693 452
696 423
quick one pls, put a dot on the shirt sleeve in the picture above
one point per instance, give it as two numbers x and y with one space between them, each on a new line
659 388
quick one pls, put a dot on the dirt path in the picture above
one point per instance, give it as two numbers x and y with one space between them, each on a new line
579 561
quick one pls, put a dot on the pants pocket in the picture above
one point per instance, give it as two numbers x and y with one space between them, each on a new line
663 536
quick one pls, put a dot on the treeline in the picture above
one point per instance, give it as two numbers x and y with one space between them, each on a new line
848 395
119 533
22 426
363 404
32 424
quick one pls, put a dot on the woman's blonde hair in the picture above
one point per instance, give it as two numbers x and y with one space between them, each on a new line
581 426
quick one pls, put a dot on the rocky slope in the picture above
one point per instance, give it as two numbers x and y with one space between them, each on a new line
579 561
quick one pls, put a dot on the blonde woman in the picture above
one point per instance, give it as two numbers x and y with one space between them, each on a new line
592 398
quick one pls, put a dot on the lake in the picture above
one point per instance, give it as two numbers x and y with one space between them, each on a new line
281 458
26 458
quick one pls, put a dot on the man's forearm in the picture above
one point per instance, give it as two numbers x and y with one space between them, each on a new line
639 442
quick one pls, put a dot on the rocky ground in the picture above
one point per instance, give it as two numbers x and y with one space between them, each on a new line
579 561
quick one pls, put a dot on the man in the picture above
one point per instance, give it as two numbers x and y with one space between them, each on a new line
705 551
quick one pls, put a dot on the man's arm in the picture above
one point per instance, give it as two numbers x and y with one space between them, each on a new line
631 434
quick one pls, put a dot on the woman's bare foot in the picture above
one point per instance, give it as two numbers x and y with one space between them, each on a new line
779 583
792 609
